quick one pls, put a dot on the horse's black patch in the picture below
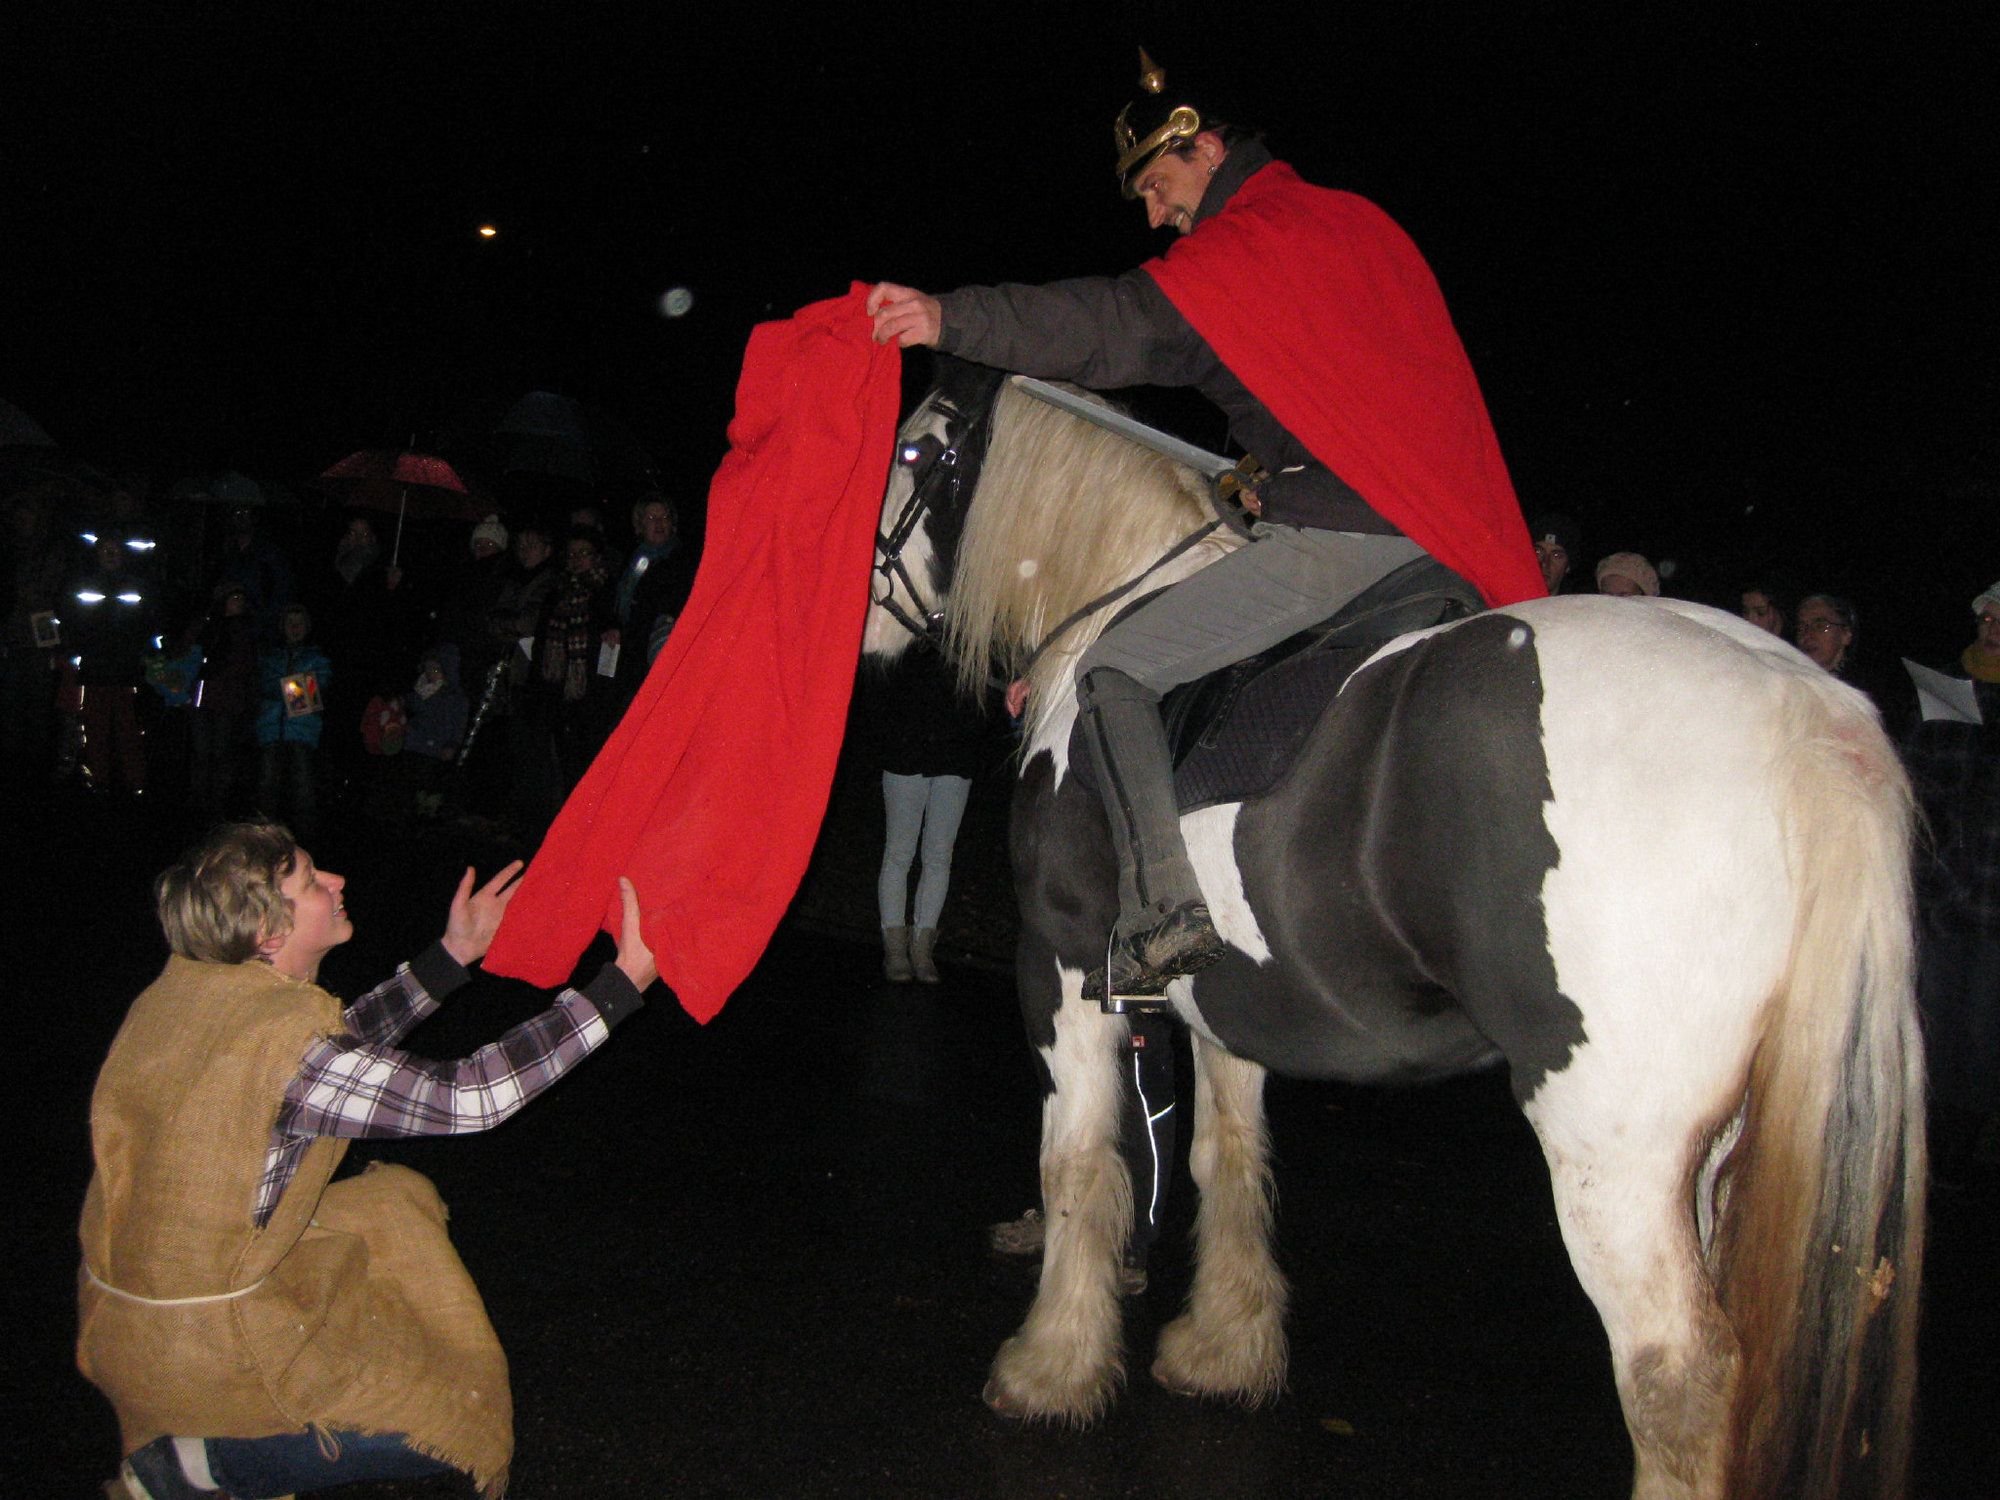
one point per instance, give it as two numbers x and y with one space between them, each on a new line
1237 731
1397 877
1066 878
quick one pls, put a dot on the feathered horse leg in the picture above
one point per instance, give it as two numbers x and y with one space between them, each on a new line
1067 1360
1230 1342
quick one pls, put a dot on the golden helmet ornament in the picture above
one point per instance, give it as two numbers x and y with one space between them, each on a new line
1150 124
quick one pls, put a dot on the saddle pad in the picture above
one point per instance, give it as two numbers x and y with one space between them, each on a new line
1236 732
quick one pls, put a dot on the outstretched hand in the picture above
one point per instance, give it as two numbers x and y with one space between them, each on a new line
634 957
475 915
903 315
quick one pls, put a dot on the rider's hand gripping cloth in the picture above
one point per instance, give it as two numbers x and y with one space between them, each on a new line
1324 308
709 793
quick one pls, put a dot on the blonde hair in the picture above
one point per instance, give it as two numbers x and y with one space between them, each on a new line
222 899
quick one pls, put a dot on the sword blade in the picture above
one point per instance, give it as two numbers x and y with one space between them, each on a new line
1208 465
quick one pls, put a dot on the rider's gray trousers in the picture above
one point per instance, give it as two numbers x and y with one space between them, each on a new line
1287 578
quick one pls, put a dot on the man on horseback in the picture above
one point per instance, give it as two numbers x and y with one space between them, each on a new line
1314 324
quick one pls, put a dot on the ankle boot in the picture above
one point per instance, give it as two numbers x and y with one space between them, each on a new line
896 955
923 940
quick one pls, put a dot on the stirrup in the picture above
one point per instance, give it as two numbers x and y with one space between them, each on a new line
1151 970
1122 1005
1135 1005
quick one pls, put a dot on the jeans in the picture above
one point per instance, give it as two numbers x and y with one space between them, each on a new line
299 1462
932 806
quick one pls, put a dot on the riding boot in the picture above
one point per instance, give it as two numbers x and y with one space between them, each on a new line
1164 930
896 955
923 943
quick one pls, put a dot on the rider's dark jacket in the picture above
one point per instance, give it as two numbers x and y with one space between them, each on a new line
1109 332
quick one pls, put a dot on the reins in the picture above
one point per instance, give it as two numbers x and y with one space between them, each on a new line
1112 596
944 467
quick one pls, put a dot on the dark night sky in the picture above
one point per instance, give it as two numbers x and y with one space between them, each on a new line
1725 273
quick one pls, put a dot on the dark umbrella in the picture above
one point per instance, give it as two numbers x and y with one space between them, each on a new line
407 483
237 491
559 436
18 429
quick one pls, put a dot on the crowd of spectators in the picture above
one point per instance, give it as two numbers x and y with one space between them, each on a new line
284 661
287 661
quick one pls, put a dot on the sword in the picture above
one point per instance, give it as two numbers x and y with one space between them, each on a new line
1225 475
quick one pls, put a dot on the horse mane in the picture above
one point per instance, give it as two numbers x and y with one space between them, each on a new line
1063 512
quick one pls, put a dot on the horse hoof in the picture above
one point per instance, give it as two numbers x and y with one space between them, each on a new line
1001 1403
1175 1387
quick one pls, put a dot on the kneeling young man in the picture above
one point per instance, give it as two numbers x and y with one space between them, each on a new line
260 1329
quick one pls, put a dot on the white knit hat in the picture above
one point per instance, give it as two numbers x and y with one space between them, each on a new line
1988 600
490 530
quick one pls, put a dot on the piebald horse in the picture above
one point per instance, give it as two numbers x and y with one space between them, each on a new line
1648 858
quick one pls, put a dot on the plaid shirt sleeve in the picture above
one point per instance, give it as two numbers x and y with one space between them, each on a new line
394 1007
357 1085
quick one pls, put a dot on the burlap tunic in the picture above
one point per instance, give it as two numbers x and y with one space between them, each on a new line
349 1310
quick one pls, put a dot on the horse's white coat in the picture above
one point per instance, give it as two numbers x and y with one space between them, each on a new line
1657 937
1068 1357
1050 727
1211 845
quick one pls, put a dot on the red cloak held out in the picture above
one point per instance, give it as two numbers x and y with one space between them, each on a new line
710 791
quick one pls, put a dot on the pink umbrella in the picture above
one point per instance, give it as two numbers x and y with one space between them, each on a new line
405 482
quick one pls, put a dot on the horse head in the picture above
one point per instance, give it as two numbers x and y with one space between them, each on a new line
1068 518
939 450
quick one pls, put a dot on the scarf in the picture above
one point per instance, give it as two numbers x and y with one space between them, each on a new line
567 637
1980 665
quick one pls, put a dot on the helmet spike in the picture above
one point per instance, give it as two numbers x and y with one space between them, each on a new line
1152 77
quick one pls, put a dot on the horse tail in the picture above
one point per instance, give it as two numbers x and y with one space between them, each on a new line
1818 1251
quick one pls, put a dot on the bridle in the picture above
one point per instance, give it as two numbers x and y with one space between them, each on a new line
943 469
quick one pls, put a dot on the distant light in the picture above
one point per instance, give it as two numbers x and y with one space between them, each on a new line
128 597
1668 567
140 544
487 231
89 538
675 302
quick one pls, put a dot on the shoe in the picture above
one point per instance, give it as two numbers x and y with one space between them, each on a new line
896 955
154 1473
1145 962
923 944
1021 1238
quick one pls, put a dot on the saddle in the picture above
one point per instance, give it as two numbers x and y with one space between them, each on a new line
1235 733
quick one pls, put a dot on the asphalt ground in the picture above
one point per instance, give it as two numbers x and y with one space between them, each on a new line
748 1259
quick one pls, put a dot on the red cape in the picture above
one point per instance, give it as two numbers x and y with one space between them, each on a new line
1323 307
709 793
